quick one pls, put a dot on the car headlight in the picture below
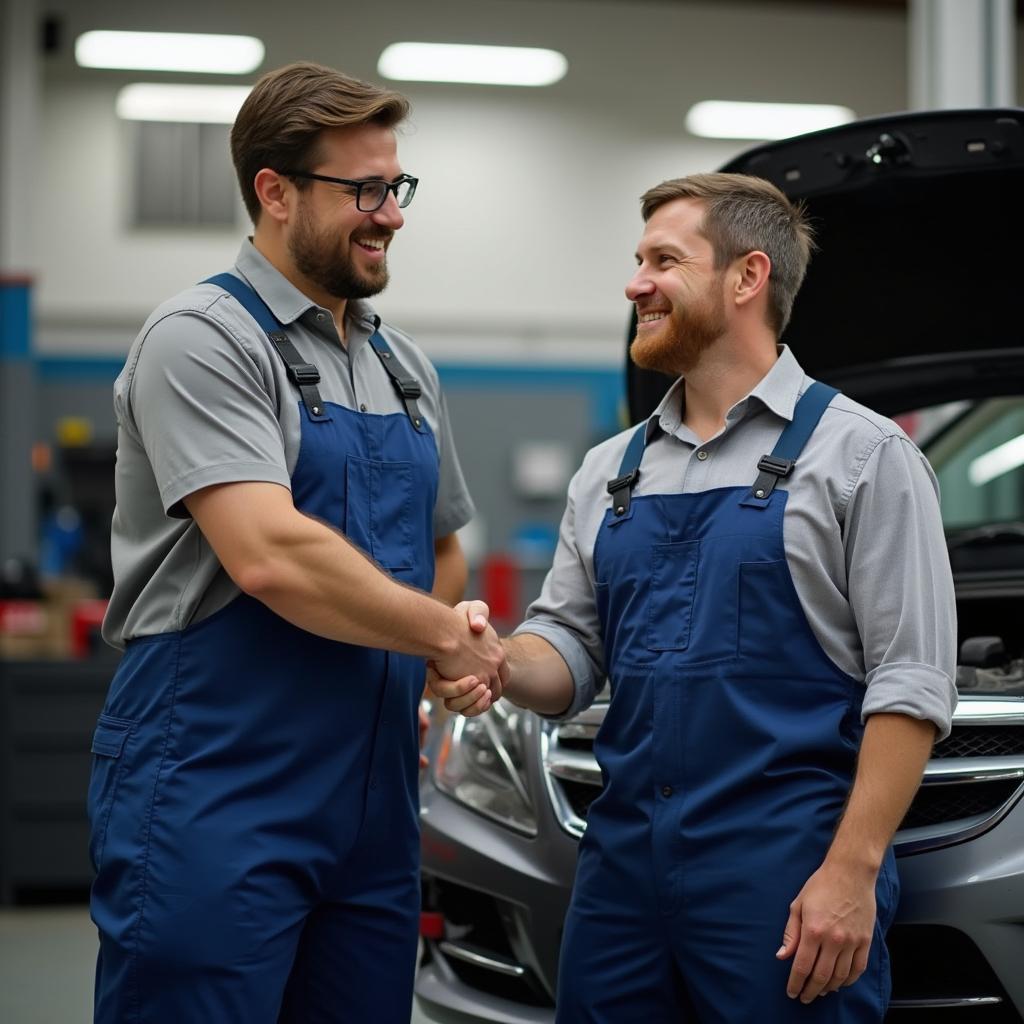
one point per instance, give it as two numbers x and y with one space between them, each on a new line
482 763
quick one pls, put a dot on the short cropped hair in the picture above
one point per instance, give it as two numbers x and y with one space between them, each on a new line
280 122
743 213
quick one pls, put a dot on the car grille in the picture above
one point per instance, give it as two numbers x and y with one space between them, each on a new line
974 777
939 804
979 741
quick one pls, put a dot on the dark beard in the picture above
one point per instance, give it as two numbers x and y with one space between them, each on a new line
684 336
317 256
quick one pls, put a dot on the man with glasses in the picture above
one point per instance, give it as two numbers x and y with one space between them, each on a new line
285 559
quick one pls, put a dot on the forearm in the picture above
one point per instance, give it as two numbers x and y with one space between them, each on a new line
312 576
539 678
831 921
308 573
892 759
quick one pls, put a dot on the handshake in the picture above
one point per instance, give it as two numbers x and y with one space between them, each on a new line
473 676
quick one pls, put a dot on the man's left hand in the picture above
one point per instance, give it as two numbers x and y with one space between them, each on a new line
830 927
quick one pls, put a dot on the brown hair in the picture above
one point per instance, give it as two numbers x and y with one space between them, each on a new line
280 122
743 213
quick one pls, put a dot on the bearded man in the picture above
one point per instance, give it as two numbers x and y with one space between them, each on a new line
287 499
761 573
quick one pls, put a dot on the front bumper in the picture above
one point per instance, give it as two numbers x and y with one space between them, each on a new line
957 944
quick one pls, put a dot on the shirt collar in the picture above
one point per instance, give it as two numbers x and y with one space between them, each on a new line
780 387
778 390
285 301
359 311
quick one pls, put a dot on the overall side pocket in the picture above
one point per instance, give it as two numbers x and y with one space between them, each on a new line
108 743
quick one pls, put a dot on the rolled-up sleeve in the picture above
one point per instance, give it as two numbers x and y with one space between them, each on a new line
901 585
565 613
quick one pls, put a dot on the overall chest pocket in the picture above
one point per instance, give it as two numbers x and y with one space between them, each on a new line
673 585
379 510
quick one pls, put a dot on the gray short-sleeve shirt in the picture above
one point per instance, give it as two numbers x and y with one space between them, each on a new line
204 399
863 538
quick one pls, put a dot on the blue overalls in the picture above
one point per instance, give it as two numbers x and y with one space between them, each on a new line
254 800
727 751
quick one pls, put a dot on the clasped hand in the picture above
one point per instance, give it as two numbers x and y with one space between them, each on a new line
473 678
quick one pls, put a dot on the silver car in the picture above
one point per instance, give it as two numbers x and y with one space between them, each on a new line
908 307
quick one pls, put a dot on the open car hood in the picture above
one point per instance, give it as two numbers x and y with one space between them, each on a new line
912 297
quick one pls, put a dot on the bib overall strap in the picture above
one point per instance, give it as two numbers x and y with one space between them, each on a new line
407 386
621 488
304 375
772 468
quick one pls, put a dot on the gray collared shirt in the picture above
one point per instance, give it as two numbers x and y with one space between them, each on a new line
205 399
863 539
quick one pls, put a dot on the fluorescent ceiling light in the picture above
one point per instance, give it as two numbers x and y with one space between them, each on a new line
206 104
483 65
997 462
169 51
723 119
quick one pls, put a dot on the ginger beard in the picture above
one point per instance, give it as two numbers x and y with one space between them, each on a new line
319 256
674 344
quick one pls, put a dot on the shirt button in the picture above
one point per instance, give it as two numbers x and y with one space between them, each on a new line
362 407
321 317
666 790
702 455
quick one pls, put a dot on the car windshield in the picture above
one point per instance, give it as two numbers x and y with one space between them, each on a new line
977 451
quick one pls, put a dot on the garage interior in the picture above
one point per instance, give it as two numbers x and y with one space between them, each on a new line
509 274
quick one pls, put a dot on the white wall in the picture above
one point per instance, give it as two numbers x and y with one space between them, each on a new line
524 223
520 239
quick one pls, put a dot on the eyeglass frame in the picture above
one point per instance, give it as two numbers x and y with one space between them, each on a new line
392 186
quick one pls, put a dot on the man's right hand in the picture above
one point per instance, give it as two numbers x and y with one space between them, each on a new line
479 652
541 681
471 693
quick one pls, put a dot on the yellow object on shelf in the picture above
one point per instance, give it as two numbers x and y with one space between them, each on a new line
74 431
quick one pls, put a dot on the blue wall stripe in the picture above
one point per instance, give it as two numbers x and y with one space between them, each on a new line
605 386
69 369
15 323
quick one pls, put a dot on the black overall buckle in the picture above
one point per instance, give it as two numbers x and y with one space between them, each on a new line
304 374
780 467
621 489
772 470
408 387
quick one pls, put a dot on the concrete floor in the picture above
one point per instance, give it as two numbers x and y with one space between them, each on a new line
47 958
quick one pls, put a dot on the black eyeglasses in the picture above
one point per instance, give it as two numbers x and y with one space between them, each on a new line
372 193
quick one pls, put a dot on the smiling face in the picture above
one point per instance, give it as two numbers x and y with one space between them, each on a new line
332 243
679 295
